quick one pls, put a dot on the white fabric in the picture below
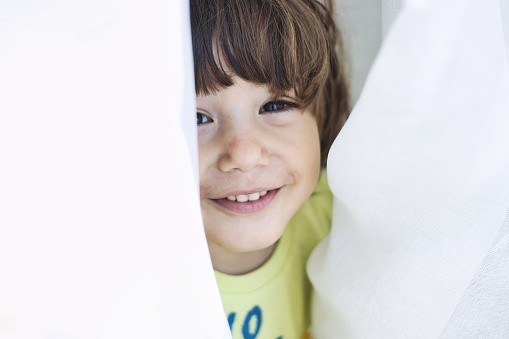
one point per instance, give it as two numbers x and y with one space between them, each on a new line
390 10
418 247
360 22
100 227
483 312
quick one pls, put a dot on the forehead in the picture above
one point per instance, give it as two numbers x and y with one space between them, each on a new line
242 91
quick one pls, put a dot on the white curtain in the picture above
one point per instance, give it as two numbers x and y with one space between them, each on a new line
419 246
100 226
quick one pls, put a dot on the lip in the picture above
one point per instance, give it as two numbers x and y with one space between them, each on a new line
248 207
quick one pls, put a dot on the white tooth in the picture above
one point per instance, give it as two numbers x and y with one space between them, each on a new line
262 193
232 198
242 198
254 196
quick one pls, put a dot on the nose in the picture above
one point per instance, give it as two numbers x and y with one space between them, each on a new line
243 152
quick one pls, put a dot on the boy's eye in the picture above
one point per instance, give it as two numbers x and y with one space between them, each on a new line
202 119
275 106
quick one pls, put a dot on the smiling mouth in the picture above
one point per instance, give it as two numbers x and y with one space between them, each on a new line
247 197
247 203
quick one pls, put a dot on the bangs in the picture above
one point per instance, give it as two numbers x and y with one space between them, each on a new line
282 44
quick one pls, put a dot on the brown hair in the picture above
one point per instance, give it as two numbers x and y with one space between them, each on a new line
284 44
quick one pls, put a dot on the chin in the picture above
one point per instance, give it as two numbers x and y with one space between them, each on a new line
249 237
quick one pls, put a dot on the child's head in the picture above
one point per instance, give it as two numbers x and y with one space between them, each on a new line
271 98
284 44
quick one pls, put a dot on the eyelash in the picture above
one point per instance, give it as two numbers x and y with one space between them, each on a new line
275 106
269 107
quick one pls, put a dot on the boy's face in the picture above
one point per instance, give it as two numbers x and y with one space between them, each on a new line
259 160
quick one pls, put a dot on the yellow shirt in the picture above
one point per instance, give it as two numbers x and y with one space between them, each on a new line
273 301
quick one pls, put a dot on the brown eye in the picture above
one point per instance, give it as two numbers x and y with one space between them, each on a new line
202 119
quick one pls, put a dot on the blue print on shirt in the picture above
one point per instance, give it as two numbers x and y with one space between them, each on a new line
255 314
231 319
252 323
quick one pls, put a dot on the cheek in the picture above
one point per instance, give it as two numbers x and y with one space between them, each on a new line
310 158
300 149
313 152
309 143
202 160
205 147
205 162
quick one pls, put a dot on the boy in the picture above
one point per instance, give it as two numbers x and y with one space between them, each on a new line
271 98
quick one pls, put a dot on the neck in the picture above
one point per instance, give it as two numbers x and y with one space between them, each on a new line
234 263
